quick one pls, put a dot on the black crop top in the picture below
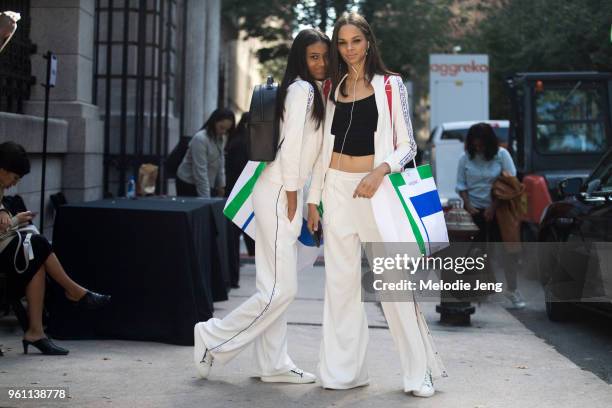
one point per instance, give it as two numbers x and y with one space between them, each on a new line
360 136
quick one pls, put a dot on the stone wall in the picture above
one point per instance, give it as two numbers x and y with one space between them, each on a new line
66 28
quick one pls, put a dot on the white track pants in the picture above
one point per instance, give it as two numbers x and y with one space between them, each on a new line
262 319
347 222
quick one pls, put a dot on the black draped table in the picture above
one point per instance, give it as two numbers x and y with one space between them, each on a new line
163 260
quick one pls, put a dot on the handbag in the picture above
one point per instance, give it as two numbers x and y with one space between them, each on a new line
407 208
239 206
239 209
23 233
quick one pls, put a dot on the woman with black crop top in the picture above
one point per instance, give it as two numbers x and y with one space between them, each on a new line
359 139
365 137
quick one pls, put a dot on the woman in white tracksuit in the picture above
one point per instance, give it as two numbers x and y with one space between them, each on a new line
277 204
363 140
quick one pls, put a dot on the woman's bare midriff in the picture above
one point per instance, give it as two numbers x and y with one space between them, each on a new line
352 164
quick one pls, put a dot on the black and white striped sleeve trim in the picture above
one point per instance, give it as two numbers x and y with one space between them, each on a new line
403 94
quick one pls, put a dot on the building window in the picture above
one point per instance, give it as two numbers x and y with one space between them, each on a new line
134 84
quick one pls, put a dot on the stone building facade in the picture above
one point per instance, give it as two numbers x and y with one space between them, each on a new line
133 75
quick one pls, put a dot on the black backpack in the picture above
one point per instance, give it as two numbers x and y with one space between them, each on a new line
263 132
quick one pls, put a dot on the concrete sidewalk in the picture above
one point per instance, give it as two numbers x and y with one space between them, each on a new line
495 363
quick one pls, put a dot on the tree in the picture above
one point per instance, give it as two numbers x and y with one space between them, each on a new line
408 31
274 22
542 35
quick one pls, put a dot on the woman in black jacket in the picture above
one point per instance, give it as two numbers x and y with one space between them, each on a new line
236 157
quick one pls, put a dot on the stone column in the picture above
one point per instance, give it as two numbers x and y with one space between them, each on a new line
213 40
195 57
66 28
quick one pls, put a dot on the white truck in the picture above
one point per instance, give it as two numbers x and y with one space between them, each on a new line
459 97
458 88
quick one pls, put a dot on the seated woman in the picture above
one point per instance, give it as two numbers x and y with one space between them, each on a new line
27 276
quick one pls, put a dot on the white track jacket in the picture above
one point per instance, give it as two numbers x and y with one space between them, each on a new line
302 140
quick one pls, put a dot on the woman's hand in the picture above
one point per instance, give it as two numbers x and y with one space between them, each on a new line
5 221
291 204
368 186
313 218
24 217
466 203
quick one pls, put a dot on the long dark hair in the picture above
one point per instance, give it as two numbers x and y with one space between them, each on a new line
485 133
373 62
13 158
297 66
217 116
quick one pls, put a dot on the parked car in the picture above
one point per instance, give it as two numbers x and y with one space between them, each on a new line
444 148
576 262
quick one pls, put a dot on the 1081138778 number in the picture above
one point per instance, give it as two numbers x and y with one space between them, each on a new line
36 393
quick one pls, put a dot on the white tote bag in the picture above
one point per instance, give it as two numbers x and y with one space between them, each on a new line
239 209
407 208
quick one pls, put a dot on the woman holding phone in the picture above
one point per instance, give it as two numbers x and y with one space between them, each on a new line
367 135
277 204
26 274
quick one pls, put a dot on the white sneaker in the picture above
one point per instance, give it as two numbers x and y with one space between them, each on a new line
295 376
516 299
201 356
427 388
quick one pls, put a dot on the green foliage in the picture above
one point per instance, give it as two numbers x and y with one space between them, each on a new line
274 67
408 31
274 22
542 35
518 35
271 21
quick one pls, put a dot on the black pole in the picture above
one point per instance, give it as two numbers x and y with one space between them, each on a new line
47 85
